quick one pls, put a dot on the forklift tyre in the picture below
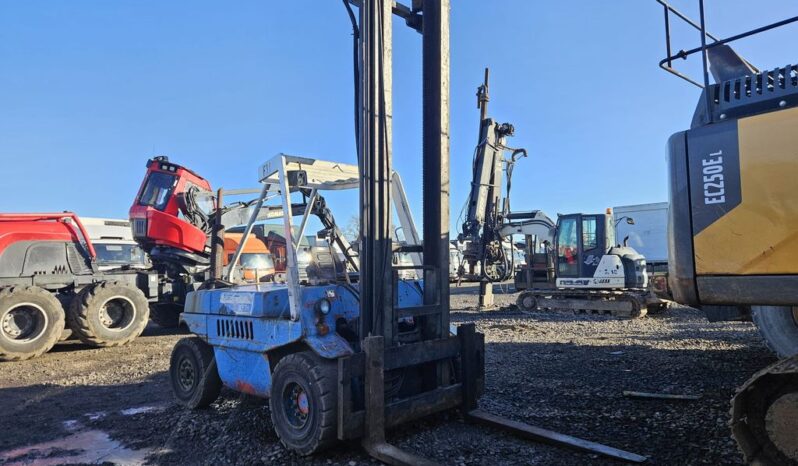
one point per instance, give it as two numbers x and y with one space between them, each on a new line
31 321
193 374
166 315
108 314
303 402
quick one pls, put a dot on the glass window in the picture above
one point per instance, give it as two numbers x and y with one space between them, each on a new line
589 239
157 190
567 248
119 254
303 257
203 197
258 261
609 228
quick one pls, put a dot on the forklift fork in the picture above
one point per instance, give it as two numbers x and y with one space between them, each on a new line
374 441
469 346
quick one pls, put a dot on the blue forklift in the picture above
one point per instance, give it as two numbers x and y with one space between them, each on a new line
353 352
283 341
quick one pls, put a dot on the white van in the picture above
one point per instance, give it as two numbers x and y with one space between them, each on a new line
113 243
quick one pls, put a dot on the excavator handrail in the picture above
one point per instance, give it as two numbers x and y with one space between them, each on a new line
667 62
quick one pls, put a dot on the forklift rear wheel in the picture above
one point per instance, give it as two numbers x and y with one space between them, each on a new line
192 370
166 315
108 314
303 402
31 321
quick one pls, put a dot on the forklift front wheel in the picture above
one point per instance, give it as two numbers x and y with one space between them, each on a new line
303 402
192 370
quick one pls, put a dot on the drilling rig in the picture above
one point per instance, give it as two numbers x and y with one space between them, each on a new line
583 269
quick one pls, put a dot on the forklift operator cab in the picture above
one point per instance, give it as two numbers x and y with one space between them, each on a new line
587 255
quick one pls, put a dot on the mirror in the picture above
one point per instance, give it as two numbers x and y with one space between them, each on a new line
630 221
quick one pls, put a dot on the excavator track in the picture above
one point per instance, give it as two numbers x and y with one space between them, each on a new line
764 415
629 304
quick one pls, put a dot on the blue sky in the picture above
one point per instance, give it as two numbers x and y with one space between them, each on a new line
90 89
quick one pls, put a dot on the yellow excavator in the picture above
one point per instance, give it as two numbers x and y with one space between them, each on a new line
733 222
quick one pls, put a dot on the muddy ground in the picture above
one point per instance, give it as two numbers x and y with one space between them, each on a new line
559 371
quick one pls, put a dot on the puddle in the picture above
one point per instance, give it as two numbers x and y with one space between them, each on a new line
71 425
95 416
140 410
88 446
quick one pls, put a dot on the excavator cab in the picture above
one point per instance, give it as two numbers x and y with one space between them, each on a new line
172 211
582 239
586 254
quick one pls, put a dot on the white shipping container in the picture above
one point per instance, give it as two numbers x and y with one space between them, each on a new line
649 234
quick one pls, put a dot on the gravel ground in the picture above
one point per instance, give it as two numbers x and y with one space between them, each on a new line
554 370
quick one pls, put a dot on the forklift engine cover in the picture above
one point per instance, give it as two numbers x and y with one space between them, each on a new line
247 325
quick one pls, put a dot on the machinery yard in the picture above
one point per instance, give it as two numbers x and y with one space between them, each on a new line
217 323
555 370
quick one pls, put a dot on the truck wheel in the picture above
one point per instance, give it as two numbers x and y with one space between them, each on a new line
778 326
192 370
108 314
303 402
166 315
31 321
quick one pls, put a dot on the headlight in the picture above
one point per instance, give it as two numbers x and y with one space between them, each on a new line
323 306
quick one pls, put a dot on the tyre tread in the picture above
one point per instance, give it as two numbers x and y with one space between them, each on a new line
78 315
324 374
764 324
210 385
55 335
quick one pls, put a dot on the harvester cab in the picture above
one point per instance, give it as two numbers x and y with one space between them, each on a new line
171 218
172 213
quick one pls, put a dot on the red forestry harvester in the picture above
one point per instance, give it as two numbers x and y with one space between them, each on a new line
49 279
